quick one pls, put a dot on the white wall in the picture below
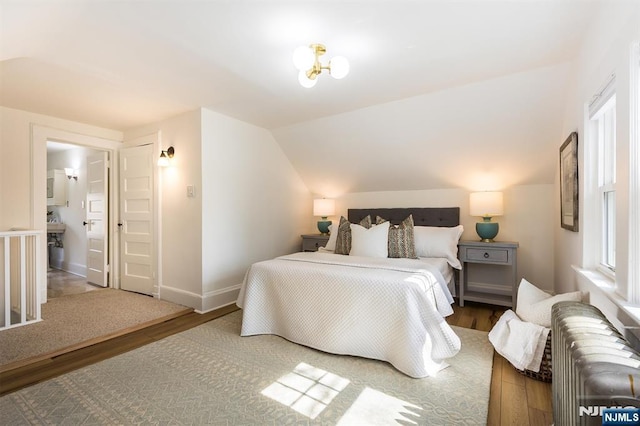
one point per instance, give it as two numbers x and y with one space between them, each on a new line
249 205
606 50
180 233
254 204
528 219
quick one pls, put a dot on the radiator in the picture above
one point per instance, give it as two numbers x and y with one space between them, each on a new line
594 367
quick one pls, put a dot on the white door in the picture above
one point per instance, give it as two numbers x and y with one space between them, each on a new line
96 223
136 219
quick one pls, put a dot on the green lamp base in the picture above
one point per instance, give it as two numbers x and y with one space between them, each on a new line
487 230
323 225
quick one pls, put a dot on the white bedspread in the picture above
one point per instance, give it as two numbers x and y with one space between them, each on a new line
386 309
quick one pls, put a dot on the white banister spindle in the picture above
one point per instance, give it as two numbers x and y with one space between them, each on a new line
7 281
21 278
35 297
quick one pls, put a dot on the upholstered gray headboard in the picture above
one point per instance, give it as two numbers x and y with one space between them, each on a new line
422 216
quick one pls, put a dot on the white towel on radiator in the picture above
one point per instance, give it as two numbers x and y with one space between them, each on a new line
521 343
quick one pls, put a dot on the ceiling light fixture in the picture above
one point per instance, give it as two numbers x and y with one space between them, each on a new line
307 60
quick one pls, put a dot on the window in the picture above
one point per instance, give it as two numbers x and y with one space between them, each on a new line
602 117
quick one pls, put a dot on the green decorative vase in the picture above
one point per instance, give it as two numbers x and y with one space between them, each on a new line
323 225
487 230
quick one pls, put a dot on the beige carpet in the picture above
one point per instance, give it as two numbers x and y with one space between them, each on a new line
80 320
209 375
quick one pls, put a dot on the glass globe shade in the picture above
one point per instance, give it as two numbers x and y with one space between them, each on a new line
303 58
306 81
339 66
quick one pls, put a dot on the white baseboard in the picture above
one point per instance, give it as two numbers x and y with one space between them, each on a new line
219 298
201 303
74 268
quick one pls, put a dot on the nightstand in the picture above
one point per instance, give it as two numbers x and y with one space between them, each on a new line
488 272
311 242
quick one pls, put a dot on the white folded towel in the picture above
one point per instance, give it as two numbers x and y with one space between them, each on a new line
521 343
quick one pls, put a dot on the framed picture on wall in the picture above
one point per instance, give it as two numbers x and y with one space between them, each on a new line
569 183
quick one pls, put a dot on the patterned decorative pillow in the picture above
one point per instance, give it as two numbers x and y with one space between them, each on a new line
401 239
343 240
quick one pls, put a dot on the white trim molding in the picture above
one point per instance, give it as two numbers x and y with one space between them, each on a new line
633 289
201 303
601 290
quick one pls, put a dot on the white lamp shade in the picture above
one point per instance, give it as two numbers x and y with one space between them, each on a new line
488 203
306 81
324 207
303 58
339 66
69 172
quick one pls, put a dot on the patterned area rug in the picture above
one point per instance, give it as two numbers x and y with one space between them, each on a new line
211 375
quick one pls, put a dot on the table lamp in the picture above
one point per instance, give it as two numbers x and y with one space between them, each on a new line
324 207
486 205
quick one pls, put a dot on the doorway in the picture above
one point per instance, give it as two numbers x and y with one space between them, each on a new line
40 136
71 249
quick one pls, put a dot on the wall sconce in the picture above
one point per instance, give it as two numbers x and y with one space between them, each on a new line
71 173
163 161
324 208
306 60
486 205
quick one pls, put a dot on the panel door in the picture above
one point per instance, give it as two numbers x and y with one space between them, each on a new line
96 223
137 220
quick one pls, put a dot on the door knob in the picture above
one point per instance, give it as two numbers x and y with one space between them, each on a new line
84 223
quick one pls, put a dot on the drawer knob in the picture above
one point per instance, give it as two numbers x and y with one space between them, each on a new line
486 255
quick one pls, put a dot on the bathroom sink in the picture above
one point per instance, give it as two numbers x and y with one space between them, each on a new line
56 228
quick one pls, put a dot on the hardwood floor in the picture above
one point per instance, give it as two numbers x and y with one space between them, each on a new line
61 283
515 399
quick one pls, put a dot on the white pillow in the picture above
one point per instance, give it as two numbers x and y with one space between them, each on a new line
534 305
372 242
438 241
333 236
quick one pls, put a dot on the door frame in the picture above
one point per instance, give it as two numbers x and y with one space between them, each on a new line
38 186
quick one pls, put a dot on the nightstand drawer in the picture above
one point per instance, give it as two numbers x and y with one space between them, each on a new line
486 255
314 241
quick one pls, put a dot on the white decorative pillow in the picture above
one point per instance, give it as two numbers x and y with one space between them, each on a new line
534 305
438 241
372 242
333 237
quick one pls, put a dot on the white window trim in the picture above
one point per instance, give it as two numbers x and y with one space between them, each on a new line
592 184
623 309
633 289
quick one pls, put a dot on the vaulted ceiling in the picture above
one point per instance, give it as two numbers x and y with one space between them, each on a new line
479 77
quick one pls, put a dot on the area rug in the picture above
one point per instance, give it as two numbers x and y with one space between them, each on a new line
80 320
211 375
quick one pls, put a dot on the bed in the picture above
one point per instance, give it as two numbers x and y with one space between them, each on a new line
369 306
